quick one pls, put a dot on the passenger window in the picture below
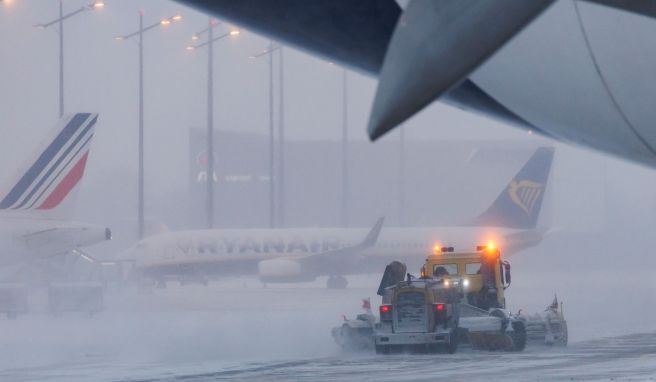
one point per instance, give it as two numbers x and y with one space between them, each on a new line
473 268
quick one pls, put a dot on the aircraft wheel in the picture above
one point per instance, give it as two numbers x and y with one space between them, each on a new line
336 282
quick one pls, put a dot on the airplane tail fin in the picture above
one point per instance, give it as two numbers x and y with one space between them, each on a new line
372 235
54 169
519 204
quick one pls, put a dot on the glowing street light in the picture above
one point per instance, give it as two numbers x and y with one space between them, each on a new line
60 21
140 32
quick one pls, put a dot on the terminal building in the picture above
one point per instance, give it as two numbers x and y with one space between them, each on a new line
414 183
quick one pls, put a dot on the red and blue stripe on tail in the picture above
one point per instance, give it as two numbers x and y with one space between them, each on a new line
57 167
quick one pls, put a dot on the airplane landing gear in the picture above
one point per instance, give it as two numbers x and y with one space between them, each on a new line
336 282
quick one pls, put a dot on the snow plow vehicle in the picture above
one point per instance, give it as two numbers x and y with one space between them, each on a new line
458 299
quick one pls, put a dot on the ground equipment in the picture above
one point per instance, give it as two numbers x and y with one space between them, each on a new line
87 297
459 298
419 315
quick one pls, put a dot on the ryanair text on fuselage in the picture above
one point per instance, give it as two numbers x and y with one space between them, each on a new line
253 245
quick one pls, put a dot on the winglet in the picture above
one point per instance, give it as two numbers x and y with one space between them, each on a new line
372 236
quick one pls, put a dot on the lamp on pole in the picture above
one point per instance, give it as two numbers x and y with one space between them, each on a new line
139 33
272 207
210 108
96 5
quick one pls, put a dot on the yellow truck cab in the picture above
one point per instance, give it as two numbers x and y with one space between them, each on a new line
484 274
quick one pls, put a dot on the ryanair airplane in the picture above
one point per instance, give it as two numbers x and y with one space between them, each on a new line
297 255
36 209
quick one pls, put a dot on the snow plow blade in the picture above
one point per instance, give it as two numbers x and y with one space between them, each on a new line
492 341
495 330
354 335
548 327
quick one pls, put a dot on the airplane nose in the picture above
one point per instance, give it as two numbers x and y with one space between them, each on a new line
108 234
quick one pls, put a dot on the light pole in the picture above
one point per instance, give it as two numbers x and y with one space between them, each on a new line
210 108
139 33
272 207
345 173
60 21
401 176
281 140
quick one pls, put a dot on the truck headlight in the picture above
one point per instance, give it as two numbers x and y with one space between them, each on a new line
465 283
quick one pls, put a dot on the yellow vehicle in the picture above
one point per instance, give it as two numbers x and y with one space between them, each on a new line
485 276
458 298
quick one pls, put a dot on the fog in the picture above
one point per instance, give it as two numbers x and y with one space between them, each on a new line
600 210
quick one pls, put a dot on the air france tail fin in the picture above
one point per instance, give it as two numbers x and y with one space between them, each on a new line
519 204
54 169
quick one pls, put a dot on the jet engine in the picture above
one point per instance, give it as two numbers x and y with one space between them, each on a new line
283 271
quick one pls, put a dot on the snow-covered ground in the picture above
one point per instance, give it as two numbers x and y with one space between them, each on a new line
236 329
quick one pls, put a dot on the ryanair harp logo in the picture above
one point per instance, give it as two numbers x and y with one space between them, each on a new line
525 194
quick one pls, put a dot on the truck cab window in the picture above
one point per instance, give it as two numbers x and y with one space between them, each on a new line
473 268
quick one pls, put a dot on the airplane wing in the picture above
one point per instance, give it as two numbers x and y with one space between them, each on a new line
556 49
39 239
66 238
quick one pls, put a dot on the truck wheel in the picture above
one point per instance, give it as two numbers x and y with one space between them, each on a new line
518 336
454 340
347 334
